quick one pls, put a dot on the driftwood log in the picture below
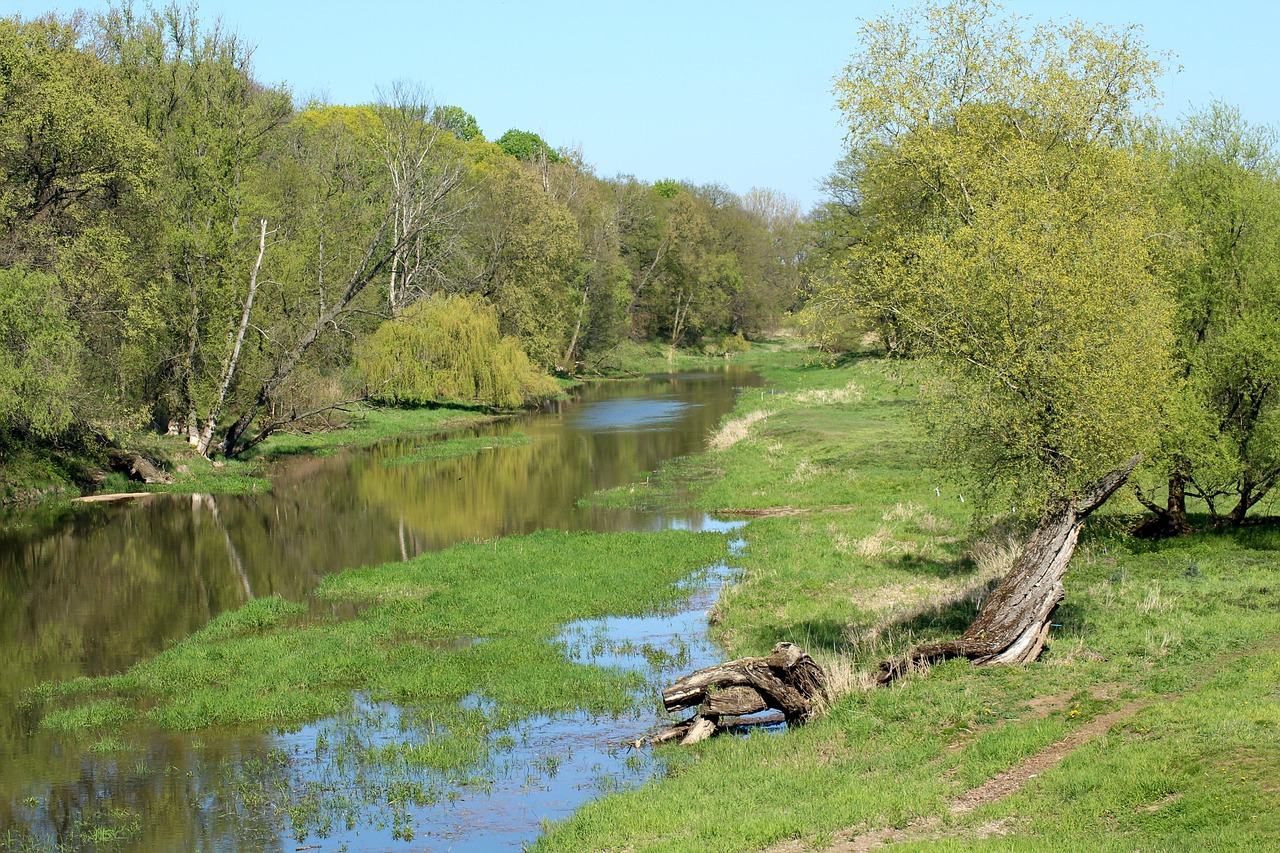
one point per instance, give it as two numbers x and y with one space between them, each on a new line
787 681
1013 624
135 466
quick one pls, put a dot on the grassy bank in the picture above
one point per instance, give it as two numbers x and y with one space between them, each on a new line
35 472
465 642
1157 692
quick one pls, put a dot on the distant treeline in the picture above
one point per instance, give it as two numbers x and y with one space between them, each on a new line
185 247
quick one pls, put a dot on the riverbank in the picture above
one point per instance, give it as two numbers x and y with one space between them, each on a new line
459 644
33 472
1151 722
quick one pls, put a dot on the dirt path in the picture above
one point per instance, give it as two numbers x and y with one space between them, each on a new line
996 788
1006 783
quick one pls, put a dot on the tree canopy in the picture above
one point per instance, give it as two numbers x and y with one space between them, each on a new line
1006 228
185 248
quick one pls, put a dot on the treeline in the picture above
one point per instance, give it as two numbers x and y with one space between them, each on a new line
184 247
1091 285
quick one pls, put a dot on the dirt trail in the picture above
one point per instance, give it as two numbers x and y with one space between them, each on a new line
996 788
1011 780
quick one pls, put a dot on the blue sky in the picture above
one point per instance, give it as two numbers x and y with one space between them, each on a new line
736 93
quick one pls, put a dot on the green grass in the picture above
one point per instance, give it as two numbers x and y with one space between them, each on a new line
629 358
366 426
855 550
855 557
476 618
479 622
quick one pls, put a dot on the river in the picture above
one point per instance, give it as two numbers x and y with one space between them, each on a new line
91 589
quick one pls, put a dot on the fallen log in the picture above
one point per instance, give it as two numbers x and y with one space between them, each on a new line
1013 624
135 466
788 680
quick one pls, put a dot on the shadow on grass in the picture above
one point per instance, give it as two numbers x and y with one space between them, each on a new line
941 569
942 620
1256 534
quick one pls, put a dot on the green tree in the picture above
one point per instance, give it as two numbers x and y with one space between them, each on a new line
191 89
448 349
39 355
527 145
1017 255
527 249
1223 444
457 121
68 151
360 197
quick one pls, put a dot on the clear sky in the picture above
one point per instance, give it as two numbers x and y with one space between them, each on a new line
736 92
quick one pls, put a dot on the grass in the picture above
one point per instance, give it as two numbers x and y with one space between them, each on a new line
194 474
367 426
476 619
465 642
852 554
629 359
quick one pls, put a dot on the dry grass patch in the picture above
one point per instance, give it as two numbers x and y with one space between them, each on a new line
898 603
736 430
805 471
831 396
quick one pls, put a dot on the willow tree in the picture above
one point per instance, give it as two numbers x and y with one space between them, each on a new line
449 349
1015 245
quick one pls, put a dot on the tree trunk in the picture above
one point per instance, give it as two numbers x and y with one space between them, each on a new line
1251 491
233 359
1171 519
788 680
137 467
1014 621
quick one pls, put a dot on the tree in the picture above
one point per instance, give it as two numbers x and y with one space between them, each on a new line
448 349
39 355
426 167
191 89
528 146
1017 254
1224 440
76 179
457 121
527 248
353 210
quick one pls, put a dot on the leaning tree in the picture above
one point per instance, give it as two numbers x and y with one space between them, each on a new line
1010 231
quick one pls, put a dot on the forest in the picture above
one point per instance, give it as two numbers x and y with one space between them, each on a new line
184 249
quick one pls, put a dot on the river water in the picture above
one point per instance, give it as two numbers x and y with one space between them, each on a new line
91 589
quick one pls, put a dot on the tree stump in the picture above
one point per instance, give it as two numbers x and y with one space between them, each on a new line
788 680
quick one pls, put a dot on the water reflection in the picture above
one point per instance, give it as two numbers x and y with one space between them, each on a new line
91 589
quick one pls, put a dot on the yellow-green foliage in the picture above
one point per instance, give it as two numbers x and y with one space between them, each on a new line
448 349
1013 237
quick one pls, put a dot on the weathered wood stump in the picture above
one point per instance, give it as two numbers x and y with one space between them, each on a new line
788 680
